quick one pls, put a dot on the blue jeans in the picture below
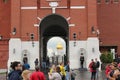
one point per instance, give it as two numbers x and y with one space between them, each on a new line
93 76
43 65
97 71
67 75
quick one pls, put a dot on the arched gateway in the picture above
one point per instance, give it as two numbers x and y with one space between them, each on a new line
51 26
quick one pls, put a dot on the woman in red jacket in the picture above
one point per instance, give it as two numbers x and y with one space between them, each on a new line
92 67
107 71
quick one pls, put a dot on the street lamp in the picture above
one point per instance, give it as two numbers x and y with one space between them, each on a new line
74 37
14 31
32 38
93 29
0 37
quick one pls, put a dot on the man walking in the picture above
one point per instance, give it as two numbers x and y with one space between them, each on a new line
16 73
37 75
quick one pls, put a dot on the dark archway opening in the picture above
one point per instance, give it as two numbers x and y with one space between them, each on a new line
51 26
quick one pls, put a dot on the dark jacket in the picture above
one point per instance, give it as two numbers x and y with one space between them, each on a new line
15 75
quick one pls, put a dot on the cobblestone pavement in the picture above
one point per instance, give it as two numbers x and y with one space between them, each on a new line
86 75
81 75
2 76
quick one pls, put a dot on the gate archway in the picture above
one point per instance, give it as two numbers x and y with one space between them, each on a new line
51 26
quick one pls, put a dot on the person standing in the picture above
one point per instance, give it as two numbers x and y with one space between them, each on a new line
37 75
81 60
36 62
26 75
65 59
52 69
47 62
16 73
97 67
26 65
107 71
63 73
67 69
114 73
92 67
44 63
55 75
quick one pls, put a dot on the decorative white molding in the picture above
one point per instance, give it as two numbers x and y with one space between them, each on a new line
61 7
68 18
28 7
51 7
77 7
64 7
53 0
39 18
71 25
36 25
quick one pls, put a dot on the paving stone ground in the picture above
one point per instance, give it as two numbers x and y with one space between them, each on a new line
2 76
86 75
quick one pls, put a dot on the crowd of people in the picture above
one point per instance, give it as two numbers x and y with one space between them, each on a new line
56 72
112 71
20 71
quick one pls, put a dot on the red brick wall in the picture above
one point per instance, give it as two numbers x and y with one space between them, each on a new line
109 23
4 50
5 19
15 17
24 20
92 17
5 32
84 19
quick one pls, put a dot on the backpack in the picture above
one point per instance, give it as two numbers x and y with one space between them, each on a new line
94 66
97 64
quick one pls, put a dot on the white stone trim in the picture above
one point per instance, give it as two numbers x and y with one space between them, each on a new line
77 7
72 7
36 25
51 7
64 7
70 25
32 7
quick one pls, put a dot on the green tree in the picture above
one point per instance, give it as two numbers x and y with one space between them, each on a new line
106 57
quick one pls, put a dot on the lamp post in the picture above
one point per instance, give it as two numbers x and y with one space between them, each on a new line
14 31
74 37
0 37
32 38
